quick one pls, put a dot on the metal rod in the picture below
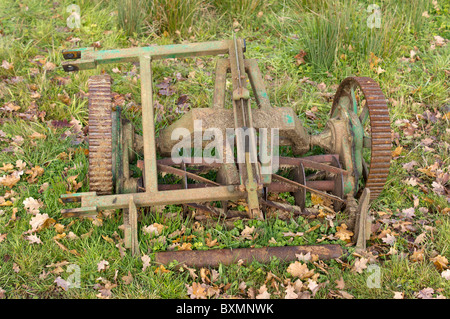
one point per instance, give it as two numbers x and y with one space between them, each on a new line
220 83
178 196
90 58
214 257
148 126
286 180
311 164
280 187
257 83
183 173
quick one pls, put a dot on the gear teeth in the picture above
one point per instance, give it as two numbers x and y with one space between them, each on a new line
100 135
380 130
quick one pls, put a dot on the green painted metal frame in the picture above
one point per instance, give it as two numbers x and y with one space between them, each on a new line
250 179
88 58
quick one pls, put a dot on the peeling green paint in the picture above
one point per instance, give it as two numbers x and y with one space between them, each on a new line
289 119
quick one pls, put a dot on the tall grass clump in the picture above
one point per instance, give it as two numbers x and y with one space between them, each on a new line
175 16
159 16
131 15
330 25
244 11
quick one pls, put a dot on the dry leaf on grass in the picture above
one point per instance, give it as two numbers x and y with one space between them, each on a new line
263 293
360 265
146 260
440 262
247 231
290 292
398 295
196 290
300 270
343 234
127 279
9 180
37 221
32 205
446 274
102 265
33 239
62 283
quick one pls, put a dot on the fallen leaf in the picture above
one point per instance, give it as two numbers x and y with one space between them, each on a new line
398 295
7 66
408 212
316 199
446 274
322 86
346 295
373 61
185 246
49 66
299 269
389 239
59 236
299 58
9 180
420 239
263 293
340 284
102 265
37 136
426 293
360 265
210 243
410 165
37 221
32 205
62 283
247 231
196 291
7 167
380 70
440 262
34 173
153 230
20 165
343 234
71 235
33 239
16 268
397 151
313 286
417 255
127 279
146 260
303 257
59 228
290 293
161 269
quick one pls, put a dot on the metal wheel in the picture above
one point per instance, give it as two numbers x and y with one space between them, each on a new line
369 103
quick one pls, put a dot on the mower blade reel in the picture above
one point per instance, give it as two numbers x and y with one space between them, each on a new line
212 258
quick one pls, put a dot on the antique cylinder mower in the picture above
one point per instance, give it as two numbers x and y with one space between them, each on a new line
241 145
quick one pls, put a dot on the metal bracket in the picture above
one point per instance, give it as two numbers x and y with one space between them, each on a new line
363 223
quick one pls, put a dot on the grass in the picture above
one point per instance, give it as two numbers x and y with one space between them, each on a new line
403 56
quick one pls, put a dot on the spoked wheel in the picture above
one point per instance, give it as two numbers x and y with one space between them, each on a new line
100 135
368 102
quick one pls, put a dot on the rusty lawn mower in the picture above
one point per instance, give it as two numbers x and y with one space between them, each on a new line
356 143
